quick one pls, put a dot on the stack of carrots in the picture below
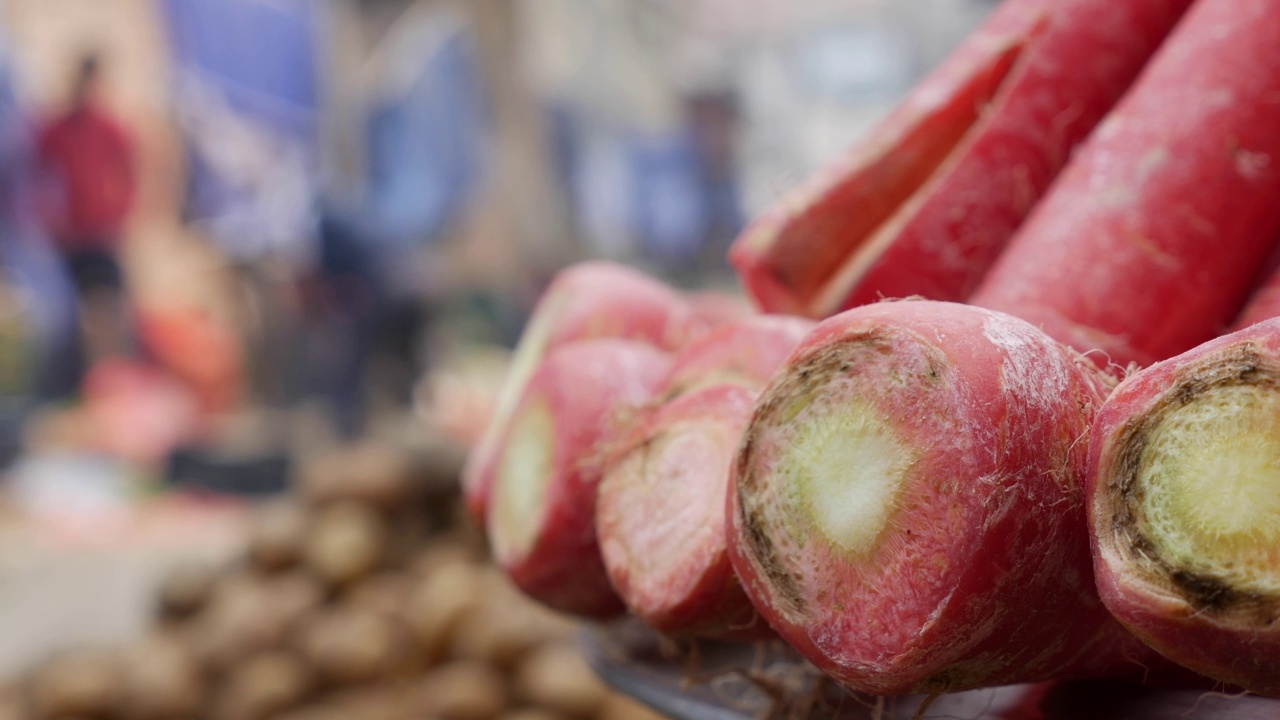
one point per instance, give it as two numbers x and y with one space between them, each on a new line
1055 455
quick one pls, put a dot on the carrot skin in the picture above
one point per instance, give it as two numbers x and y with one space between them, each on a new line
660 518
1264 304
926 203
969 430
1192 611
1149 241
589 300
746 352
541 522
659 513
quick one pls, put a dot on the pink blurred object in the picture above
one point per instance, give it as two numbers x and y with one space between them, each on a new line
138 412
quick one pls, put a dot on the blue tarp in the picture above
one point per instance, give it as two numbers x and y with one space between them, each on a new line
425 143
251 65
246 99
260 55
648 194
26 251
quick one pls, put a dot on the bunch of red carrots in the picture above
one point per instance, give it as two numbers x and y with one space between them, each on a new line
1059 457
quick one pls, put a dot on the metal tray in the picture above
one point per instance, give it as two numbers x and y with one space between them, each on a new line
768 681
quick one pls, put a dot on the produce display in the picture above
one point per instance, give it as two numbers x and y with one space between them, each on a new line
360 596
924 496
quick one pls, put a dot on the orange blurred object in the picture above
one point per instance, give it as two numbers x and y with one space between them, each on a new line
198 349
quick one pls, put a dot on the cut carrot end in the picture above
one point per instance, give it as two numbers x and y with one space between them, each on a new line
847 466
523 478
1202 501
833 228
674 478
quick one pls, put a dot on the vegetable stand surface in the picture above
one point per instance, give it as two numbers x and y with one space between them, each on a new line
723 681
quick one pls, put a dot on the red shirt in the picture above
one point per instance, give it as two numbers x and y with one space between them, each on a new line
89 159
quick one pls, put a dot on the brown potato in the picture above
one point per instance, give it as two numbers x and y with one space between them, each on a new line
296 594
347 645
184 590
620 707
444 550
438 605
261 686
13 705
162 680
383 701
461 691
12 709
346 541
250 614
277 536
386 593
315 711
78 683
507 626
557 678
530 713
367 472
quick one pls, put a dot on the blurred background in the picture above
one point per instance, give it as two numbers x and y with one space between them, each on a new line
244 241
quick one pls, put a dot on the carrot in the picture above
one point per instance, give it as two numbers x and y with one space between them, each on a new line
661 521
745 352
907 503
541 523
588 300
709 309
660 510
1184 507
1150 240
927 202
1264 304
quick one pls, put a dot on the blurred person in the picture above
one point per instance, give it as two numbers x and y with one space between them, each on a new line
28 260
87 165
344 304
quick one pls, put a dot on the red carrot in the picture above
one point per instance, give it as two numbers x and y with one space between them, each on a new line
709 309
541 522
907 504
1184 504
589 300
746 352
660 510
1263 305
1150 240
928 201
660 516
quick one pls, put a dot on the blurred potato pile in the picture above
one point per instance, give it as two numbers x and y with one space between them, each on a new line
360 595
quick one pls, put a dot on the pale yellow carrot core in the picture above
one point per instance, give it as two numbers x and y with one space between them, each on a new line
848 466
1209 480
524 474
528 354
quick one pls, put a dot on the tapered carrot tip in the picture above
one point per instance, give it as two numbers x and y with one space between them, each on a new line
661 521
907 504
541 520
588 300
1185 507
